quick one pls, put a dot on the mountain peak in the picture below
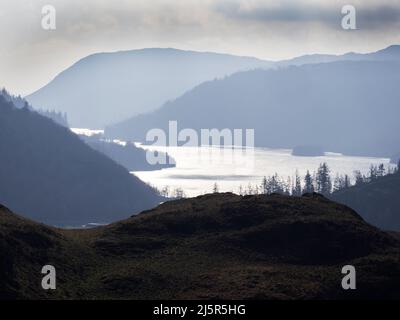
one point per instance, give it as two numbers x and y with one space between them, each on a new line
144 79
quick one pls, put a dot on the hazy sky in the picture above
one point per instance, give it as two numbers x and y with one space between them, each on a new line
268 29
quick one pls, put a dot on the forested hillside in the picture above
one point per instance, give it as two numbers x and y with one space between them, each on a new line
48 174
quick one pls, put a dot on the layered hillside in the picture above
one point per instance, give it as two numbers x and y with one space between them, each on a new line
377 201
218 246
48 174
104 88
330 105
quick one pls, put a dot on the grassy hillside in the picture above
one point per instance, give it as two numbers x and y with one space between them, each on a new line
26 247
219 246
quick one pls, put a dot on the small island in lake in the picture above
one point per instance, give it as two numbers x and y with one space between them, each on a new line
308 151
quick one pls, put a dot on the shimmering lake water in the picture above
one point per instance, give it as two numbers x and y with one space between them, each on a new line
198 168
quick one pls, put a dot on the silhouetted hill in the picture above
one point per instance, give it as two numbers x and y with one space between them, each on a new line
57 116
48 174
18 101
331 105
218 246
377 201
104 88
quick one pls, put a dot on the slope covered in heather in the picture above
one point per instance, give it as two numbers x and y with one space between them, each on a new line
217 246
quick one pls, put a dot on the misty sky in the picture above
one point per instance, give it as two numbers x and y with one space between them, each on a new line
268 29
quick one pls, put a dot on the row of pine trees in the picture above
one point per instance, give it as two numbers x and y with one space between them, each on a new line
320 181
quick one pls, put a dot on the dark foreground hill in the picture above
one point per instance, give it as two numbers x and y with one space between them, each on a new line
213 246
48 174
377 201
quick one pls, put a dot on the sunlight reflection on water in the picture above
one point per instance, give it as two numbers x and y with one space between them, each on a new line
198 168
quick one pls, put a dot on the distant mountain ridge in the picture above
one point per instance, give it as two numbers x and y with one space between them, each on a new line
349 107
104 88
48 174
391 53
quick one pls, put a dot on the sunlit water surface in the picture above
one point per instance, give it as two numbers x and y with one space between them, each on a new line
199 168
